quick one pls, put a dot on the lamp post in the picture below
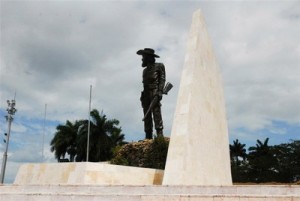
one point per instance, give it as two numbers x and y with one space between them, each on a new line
11 110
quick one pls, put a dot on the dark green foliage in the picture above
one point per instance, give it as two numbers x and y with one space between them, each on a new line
64 141
288 161
264 163
156 158
238 160
119 159
146 153
72 138
134 154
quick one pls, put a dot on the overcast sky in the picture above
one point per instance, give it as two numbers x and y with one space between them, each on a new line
51 52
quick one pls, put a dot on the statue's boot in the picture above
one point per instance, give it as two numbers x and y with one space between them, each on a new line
159 133
149 135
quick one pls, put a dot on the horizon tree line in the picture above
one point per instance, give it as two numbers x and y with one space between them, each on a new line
265 163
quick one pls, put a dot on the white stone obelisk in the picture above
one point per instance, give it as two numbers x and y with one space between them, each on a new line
199 147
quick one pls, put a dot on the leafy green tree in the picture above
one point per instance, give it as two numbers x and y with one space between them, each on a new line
288 161
237 151
262 162
117 137
104 136
81 141
71 138
64 141
295 160
261 148
239 164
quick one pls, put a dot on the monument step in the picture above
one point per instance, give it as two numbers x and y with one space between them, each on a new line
147 193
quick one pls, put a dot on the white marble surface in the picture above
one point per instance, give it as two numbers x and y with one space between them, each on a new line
199 147
86 174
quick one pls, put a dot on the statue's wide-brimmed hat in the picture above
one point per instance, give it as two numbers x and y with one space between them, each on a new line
148 51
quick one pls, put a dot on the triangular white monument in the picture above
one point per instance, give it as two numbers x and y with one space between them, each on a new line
199 147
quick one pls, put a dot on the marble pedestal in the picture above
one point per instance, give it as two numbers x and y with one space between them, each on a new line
86 174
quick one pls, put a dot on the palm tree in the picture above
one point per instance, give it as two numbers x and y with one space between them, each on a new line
104 136
262 162
237 150
72 138
238 166
117 137
261 148
64 140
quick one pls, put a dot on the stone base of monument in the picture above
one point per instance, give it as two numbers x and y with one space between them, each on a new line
86 174
105 182
148 193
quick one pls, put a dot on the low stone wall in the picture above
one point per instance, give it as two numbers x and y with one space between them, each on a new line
86 174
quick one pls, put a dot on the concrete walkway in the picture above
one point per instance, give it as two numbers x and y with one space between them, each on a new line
148 193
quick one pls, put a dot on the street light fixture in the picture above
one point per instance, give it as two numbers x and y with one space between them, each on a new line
11 110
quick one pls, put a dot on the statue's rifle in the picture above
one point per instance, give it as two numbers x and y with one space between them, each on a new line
166 89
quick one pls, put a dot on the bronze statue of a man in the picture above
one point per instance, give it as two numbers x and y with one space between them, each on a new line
154 77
